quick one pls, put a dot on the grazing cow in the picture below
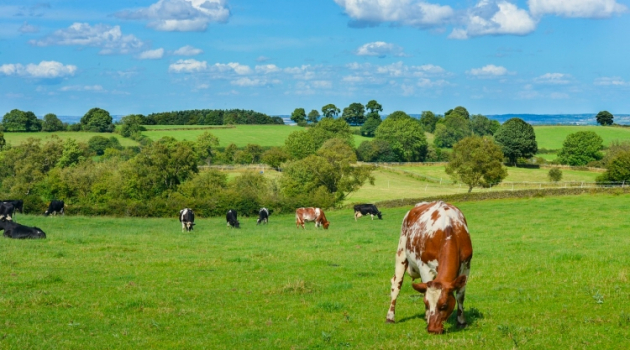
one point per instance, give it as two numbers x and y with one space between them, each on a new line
263 216
7 210
366 209
231 218
18 204
187 218
311 214
17 231
435 246
55 207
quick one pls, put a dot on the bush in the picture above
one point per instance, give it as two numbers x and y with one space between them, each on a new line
580 148
555 174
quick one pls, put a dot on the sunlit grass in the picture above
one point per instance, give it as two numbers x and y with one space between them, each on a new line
552 137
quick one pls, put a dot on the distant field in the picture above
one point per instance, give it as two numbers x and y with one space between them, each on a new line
551 137
16 138
241 135
540 279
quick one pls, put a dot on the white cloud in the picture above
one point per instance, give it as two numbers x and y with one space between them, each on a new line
43 70
267 68
245 81
262 59
109 39
415 13
576 8
379 49
428 83
553 78
488 71
321 84
187 66
491 17
610 81
232 66
151 54
180 15
187 51
92 88
28 29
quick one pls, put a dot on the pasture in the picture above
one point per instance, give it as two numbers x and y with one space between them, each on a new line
16 138
539 279
552 137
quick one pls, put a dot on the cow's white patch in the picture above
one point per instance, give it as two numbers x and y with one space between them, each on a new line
432 295
428 270
358 214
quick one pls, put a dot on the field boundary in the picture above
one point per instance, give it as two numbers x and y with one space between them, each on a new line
200 128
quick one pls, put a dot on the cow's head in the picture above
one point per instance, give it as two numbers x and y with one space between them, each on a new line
439 301
189 225
380 215
326 224
237 224
37 233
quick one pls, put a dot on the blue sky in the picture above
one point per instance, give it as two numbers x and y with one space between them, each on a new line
492 57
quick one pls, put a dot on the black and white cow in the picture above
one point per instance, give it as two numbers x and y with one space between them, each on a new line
263 216
7 210
17 231
18 204
231 218
55 207
187 218
366 209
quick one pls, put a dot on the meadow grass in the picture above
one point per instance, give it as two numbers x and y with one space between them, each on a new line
16 138
541 278
552 137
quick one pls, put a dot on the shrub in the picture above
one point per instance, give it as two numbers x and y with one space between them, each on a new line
555 174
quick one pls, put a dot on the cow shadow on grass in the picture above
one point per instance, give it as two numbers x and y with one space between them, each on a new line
472 315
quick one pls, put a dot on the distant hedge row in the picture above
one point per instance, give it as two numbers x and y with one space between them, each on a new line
210 117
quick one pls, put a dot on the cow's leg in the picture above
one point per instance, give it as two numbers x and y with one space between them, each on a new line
397 280
183 226
355 216
372 215
460 296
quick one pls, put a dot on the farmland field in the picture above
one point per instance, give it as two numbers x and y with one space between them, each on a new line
551 137
16 138
539 279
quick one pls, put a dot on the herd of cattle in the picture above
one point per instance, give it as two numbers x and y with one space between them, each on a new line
434 245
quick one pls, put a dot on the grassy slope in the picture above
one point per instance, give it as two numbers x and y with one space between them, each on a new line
551 137
539 279
16 138
241 135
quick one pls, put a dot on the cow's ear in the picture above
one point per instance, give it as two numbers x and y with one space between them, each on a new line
420 287
460 282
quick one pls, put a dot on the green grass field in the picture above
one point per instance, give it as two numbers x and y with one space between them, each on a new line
16 138
540 279
551 137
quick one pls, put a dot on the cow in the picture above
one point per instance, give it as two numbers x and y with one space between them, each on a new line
187 218
55 207
434 245
7 210
303 215
366 209
18 204
231 218
263 216
17 231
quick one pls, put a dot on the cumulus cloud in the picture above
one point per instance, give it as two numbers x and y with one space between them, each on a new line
576 8
43 70
92 88
237 68
180 15
379 49
267 69
488 71
415 13
245 81
188 66
26 28
490 17
187 51
151 54
109 39
610 81
553 78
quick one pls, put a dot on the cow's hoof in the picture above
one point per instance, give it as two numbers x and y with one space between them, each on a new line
390 321
462 325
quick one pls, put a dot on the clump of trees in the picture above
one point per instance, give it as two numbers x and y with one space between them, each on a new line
604 118
581 148
405 136
517 139
210 117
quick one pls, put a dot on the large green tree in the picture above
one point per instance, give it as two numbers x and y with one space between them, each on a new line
376 151
405 135
580 148
51 123
330 111
450 130
354 114
459 110
17 120
517 139
313 116
97 120
482 126
477 162
618 169
204 147
604 118
131 125
299 144
371 124
428 121
298 115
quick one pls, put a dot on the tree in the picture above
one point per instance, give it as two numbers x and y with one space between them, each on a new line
298 115
459 110
330 111
97 120
580 148
604 118
204 146
376 151
405 135
482 126
313 116
17 120
3 142
274 157
132 125
98 144
428 121
451 130
618 169
71 155
255 151
517 139
51 123
300 144
371 124
555 174
476 161
354 114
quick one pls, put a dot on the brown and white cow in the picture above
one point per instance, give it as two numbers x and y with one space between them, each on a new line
303 215
435 246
